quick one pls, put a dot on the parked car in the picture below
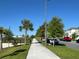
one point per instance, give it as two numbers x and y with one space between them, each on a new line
77 40
67 39
52 41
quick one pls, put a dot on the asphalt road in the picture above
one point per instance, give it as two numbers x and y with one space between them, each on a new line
72 45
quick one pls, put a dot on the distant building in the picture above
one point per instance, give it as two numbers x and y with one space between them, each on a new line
71 31
20 36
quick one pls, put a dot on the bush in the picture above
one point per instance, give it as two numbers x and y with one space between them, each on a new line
15 41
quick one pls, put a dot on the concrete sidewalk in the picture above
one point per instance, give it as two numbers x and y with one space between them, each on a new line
37 51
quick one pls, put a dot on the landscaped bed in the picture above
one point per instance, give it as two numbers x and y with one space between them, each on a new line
64 52
19 52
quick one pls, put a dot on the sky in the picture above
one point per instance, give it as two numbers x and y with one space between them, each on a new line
13 11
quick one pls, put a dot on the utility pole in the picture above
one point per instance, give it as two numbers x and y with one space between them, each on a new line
45 20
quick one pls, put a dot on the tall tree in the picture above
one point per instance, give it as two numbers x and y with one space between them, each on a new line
15 41
41 31
1 36
74 35
55 27
27 25
8 35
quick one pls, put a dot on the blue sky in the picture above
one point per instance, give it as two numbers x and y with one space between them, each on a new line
13 11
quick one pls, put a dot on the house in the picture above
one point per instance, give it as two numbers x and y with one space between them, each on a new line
71 31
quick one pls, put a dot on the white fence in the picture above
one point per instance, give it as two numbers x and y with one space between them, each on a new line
5 45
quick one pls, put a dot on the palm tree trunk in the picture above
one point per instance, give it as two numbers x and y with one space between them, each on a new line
25 36
1 42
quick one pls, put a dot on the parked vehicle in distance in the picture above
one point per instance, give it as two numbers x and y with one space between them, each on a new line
52 41
77 40
68 39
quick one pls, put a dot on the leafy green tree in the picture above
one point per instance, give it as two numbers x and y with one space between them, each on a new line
74 35
15 41
1 36
8 35
66 34
55 27
32 36
26 25
41 31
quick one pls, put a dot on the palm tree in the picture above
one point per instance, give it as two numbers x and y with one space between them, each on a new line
1 37
26 25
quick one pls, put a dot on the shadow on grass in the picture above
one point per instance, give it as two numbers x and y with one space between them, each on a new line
61 45
17 52
14 53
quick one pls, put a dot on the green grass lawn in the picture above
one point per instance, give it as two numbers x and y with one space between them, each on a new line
19 52
64 52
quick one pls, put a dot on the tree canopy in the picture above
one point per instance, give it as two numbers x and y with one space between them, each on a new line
41 31
74 36
26 24
8 34
55 27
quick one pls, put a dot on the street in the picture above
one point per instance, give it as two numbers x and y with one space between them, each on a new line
72 45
